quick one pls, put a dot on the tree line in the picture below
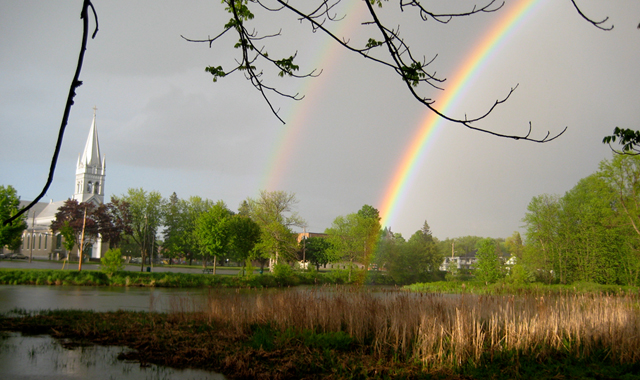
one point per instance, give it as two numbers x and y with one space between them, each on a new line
142 223
591 233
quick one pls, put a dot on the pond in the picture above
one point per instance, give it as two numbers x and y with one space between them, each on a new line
42 357
100 299
26 357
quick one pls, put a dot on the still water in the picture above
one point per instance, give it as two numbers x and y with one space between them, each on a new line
98 299
42 357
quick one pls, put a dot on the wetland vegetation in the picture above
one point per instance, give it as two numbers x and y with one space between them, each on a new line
282 276
351 332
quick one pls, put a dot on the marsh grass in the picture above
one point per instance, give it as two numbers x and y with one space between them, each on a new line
446 331
350 332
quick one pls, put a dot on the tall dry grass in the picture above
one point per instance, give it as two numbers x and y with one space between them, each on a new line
446 330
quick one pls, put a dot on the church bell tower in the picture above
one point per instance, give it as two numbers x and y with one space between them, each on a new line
91 168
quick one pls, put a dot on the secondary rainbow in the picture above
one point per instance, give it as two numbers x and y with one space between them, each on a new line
473 63
289 134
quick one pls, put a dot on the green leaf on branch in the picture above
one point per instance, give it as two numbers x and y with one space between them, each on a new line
373 43
286 66
240 7
217 72
413 74
628 138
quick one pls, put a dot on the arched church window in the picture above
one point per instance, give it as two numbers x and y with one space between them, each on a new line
96 188
89 187
45 240
58 241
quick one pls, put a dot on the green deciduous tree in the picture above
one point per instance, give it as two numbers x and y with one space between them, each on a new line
245 235
353 237
514 245
146 210
11 233
589 233
489 266
193 208
415 260
544 251
316 251
273 211
69 236
213 231
385 250
175 225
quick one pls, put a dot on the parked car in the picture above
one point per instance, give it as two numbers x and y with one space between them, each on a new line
17 256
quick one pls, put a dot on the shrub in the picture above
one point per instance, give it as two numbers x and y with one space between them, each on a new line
112 262
338 276
519 274
282 272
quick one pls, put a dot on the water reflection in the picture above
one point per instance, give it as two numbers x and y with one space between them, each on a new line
98 299
42 357
102 299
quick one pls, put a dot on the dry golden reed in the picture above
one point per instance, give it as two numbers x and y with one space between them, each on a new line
446 330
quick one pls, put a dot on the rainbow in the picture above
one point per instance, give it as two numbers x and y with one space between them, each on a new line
290 133
473 64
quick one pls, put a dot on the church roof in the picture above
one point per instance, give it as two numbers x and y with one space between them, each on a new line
91 155
45 212
37 208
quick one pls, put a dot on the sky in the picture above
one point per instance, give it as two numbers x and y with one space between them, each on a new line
165 126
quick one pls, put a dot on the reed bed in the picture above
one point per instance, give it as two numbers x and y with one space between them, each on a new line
445 331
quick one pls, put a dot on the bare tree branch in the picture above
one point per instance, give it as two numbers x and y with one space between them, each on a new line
399 57
444 18
597 24
75 83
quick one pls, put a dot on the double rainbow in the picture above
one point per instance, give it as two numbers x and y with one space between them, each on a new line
473 64
395 192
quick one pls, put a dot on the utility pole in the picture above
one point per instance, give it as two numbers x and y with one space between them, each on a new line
144 244
304 246
84 223
33 234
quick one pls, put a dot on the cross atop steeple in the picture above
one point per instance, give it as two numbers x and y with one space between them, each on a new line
94 111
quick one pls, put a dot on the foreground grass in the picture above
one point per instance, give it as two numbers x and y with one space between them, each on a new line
353 334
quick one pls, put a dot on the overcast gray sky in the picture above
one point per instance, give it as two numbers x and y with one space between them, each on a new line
165 126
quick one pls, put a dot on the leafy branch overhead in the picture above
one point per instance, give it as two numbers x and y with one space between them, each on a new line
386 48
628 138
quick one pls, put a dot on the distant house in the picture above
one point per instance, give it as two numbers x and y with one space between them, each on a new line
465 262
307 235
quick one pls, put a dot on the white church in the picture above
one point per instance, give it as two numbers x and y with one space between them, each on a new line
38 240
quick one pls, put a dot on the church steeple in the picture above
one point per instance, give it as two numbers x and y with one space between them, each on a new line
90 172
